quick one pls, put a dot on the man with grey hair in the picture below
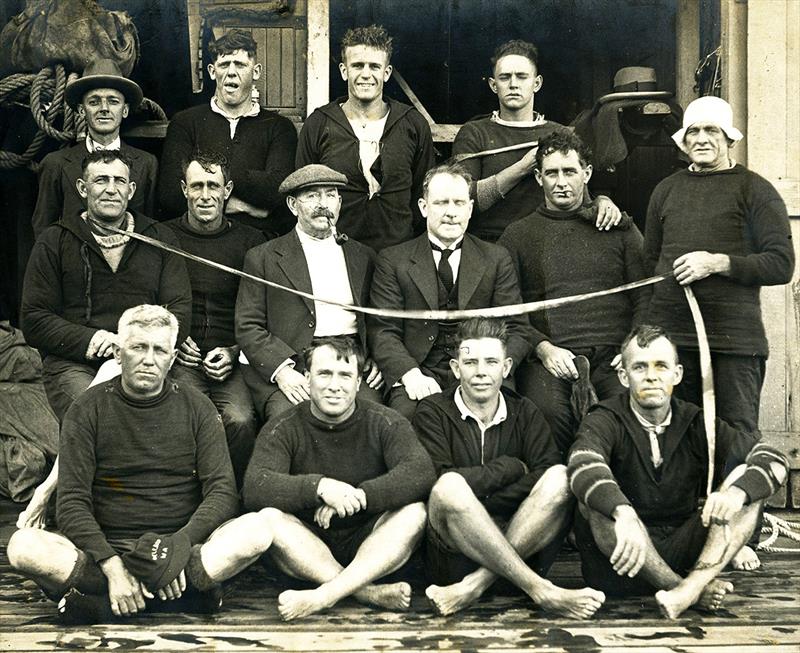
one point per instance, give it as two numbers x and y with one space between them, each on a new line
167 534
724 230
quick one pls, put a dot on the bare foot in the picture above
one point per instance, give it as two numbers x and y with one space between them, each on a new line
674 602
714 593
745 560
392 596
448 599
576 604
295 604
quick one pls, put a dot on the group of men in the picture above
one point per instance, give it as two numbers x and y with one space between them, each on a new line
481 449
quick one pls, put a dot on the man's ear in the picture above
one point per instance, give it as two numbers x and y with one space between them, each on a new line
80 185
587 173
537 83
184 189
537 175
455 369
257 71
622 375
387 73
174 356
211 70
131 189
125 110
423 207
228 189
492 85
678 374
117 352
291 202
507 365
343 71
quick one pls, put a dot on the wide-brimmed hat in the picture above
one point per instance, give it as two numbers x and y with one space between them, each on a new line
103 73
708 109
314 174
634 82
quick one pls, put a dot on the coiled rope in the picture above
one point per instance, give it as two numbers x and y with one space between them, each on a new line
777 527
44 94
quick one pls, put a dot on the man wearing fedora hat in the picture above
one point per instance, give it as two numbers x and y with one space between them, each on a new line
629 132
724 230
504 189
273 327
103 97
259 144
146 491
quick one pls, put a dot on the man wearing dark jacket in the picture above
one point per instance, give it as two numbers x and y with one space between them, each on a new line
103 97
273 326
639 468
498 469
442 269
146 492
341 483
81 276
382 146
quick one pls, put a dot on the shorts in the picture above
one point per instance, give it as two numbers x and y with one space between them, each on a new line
344 542
679 546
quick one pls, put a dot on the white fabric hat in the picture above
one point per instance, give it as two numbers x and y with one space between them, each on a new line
708 109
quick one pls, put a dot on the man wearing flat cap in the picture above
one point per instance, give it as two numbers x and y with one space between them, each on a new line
103 97
724 230
146 494
273 326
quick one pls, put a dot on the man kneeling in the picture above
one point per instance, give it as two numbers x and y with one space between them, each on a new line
498 465
145 478
341 483
639 467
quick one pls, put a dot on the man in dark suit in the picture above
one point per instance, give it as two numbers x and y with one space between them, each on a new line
273 326
103 97
441 269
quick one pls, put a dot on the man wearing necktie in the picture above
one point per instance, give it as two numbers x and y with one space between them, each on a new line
639 467
443 269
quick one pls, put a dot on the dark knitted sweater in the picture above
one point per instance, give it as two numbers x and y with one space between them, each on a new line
483 133
260 155
734 212
609 465
495 467
214 291
375 449
560 254
129 466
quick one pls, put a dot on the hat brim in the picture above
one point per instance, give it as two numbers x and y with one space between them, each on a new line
731 132
76 90
639 95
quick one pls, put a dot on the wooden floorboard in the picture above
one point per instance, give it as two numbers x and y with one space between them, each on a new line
762 615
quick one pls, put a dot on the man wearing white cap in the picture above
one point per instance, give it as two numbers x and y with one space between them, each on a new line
102 96
724 230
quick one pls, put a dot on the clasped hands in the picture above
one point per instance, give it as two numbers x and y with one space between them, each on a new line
340 499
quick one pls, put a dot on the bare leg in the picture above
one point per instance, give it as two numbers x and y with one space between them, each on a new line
461 519
388 547
235 546
721 545
44 557
540 517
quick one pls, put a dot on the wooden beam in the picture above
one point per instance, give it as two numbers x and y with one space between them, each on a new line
734 66
318 55
687 51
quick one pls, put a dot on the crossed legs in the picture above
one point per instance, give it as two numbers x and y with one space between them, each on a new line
301 554
701 586
461 520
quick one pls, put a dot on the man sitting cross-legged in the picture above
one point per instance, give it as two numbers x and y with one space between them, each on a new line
145 486
341 482
498 466
638 468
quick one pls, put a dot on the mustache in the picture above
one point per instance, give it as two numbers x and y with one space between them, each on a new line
323 212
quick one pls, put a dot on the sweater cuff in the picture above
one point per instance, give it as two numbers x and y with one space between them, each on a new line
487 193
308 490
606 497
740 270
99 549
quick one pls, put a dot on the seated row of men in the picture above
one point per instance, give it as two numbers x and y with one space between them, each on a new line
335 489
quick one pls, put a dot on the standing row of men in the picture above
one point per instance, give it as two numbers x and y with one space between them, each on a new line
301 360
